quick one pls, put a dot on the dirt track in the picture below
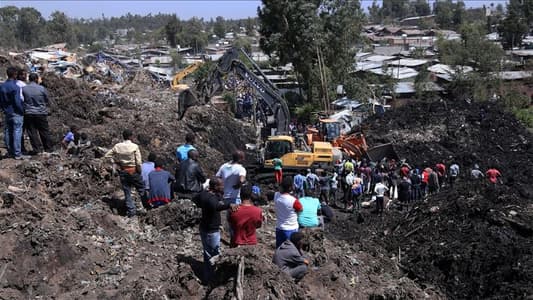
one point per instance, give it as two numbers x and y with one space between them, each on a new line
60 235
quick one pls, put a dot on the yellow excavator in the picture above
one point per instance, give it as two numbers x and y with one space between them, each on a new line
176 85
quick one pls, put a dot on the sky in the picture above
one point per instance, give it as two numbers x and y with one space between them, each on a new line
183 9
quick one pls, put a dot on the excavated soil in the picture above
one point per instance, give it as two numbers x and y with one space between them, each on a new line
62 235
469 244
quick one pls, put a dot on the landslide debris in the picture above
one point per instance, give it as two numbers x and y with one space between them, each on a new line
467 243
62 235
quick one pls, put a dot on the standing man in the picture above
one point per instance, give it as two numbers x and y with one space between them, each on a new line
348 196
246 220
22 78
278 169
476 175
299 184
11 102
312 180
416 181
183 150
191 177
325 185
334 184
127 156
433 182
380 190
233 175
494 175
286 208
441 172
454 173
211 203
35 115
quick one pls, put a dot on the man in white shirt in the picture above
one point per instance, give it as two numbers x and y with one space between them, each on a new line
287 207
234 175
380 190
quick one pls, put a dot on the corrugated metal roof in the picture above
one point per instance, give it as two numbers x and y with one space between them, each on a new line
378 58
446 69
408 62
397 73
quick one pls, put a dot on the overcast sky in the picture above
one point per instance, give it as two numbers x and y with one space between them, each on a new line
183 9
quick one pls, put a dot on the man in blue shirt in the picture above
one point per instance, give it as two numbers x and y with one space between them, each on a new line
299 184
12 106
183 150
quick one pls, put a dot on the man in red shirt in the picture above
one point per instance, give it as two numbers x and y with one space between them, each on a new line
245 220
493 175
441 171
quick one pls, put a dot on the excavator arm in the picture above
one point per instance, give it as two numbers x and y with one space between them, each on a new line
273 108
182 74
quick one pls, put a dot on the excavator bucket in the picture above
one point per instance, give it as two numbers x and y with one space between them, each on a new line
186 99
379 152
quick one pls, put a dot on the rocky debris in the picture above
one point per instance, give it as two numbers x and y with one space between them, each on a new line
176 215
60 235
467 243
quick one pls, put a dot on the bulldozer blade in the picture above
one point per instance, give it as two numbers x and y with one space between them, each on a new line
379 152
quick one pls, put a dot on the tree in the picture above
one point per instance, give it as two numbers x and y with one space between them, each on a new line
515 25
316 36
171 31
473 50
243 43
29 26
421 8
249 25
375 13
193 34
60 29
291 30
396 9
449 15
8 25
220 27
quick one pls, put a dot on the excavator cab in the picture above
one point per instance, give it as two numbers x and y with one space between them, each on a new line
327 131
331 129
276 148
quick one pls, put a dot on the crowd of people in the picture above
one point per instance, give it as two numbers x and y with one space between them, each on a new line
25 104
356 181
303 201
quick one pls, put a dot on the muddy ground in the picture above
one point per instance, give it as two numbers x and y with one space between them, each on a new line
62 236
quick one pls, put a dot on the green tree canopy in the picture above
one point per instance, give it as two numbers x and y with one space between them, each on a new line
220 27
171 31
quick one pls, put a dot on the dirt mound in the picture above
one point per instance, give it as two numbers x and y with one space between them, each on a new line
176 216
473 245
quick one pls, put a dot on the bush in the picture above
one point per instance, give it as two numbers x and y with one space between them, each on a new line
525 115
230 100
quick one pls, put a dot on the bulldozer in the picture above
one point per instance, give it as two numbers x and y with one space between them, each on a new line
352 145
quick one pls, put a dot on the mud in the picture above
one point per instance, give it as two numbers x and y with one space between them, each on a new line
62 235
474 244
